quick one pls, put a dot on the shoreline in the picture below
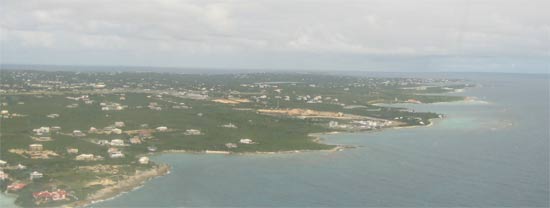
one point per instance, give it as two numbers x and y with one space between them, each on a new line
141 177
126 185
138 180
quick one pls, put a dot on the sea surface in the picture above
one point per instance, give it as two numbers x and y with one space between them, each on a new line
493 152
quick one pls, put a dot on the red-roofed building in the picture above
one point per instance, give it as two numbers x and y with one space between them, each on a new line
16 186
57 195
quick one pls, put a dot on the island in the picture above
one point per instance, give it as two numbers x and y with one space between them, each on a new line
73 138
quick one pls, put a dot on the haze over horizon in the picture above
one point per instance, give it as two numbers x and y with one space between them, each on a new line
395 35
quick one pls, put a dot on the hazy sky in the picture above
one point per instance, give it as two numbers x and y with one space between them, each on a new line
376 35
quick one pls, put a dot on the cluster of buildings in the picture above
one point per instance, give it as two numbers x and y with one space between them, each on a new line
46 130
112 106
241 141
85 98
46 196
7 114
360 124
44 133
316 99
17 185
111 129
88 157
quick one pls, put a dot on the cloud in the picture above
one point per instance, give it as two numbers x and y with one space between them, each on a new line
272 27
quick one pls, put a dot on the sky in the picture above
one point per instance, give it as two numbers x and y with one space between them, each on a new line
326 35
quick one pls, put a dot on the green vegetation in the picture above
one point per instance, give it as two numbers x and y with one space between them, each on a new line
182 103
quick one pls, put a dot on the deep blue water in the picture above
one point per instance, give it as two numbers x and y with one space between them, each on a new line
481 154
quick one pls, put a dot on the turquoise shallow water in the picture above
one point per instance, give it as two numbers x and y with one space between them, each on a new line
481 154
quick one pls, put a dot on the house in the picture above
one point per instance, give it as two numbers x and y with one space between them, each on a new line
333 124
108 129
135 140
229 125
36 175
117 131
21 167
116 155
231 145
162 128
78 133
16 186
112 149
144 134
117 142
85 157
119 124
72 150
413 101
36 147
192 132
4 112
152 148
3 163
3 176
57 195
246 141
53 115
92 130
42 130
143 160
43 138
103 142
55 128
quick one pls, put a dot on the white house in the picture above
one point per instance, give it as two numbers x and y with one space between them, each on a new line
78 133
36 147
229 125
119 124
117 142
162 128
246 141
116 155
72 150
3 176
117 131
85 157
36 175
143 160
192 132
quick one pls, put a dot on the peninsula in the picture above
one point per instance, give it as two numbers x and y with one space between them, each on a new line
72 138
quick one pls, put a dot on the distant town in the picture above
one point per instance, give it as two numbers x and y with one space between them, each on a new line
71 138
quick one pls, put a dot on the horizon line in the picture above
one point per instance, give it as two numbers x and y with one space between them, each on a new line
8 66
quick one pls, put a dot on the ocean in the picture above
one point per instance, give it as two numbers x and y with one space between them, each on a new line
493 152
